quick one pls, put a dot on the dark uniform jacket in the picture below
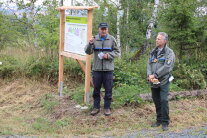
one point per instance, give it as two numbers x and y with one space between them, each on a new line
108 45
161 65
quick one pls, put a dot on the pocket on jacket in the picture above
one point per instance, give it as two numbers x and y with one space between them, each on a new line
108 65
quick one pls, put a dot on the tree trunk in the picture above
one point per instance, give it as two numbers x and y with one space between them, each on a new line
118 29
127 22
61 2
117 4
144 48
177 95
119 12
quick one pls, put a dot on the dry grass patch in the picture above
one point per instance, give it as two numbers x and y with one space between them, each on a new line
188 113
23 112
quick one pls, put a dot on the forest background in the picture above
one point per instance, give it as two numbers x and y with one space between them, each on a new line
30 39
30 104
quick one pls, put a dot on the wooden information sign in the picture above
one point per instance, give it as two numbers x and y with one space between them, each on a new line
75 31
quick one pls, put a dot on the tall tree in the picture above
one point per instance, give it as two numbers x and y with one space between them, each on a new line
48 27
179 20
134 24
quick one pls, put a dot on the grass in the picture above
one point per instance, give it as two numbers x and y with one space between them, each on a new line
48 102
34 117
22 54
42 125
6 132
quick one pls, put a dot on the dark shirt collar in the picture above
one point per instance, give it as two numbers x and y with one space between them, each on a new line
155 52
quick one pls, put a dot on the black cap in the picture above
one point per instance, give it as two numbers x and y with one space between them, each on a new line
103 25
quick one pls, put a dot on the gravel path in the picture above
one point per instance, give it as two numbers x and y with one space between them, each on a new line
200 132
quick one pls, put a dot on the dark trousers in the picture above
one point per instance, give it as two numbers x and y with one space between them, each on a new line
105 78
160 99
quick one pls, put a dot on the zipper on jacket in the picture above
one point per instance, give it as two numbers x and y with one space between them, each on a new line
102 51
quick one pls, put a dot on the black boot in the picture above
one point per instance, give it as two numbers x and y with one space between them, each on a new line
165 127
156 124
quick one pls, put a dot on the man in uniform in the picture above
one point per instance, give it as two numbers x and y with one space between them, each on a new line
105 49
160 64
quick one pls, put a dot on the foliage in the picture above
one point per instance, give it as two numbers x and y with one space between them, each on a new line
133 29
37 25
187 33
203 69
174 87
179 19
127 95
33 63
197 62
110 18
9 66
189 78
9 31
47 27
42 67
130 73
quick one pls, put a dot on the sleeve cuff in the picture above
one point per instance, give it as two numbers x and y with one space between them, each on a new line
156 75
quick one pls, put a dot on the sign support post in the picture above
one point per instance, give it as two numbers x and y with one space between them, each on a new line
61 49
88 59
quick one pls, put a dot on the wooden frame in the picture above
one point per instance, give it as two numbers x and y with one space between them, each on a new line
79 58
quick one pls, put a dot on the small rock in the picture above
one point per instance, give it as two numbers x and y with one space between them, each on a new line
77 106
84 107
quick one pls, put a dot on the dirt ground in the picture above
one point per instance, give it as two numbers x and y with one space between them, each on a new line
20 109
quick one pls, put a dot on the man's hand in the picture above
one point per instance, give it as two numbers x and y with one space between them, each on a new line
91 41
106 56
151 77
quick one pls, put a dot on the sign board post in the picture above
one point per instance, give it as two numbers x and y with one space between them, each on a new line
75 31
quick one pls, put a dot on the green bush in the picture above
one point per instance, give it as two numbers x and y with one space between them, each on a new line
188 78
47 67
127 95
8 67
38 67
202 66
130 73
203 69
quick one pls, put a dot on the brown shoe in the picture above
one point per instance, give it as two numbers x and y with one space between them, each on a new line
107 112
95 111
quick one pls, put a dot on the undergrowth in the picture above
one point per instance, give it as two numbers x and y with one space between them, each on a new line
129 76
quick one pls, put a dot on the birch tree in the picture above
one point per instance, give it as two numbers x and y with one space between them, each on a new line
120 13
149 30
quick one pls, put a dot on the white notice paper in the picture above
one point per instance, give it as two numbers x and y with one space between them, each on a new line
75 31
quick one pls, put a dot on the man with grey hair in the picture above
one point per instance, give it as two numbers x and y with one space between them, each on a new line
160 64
